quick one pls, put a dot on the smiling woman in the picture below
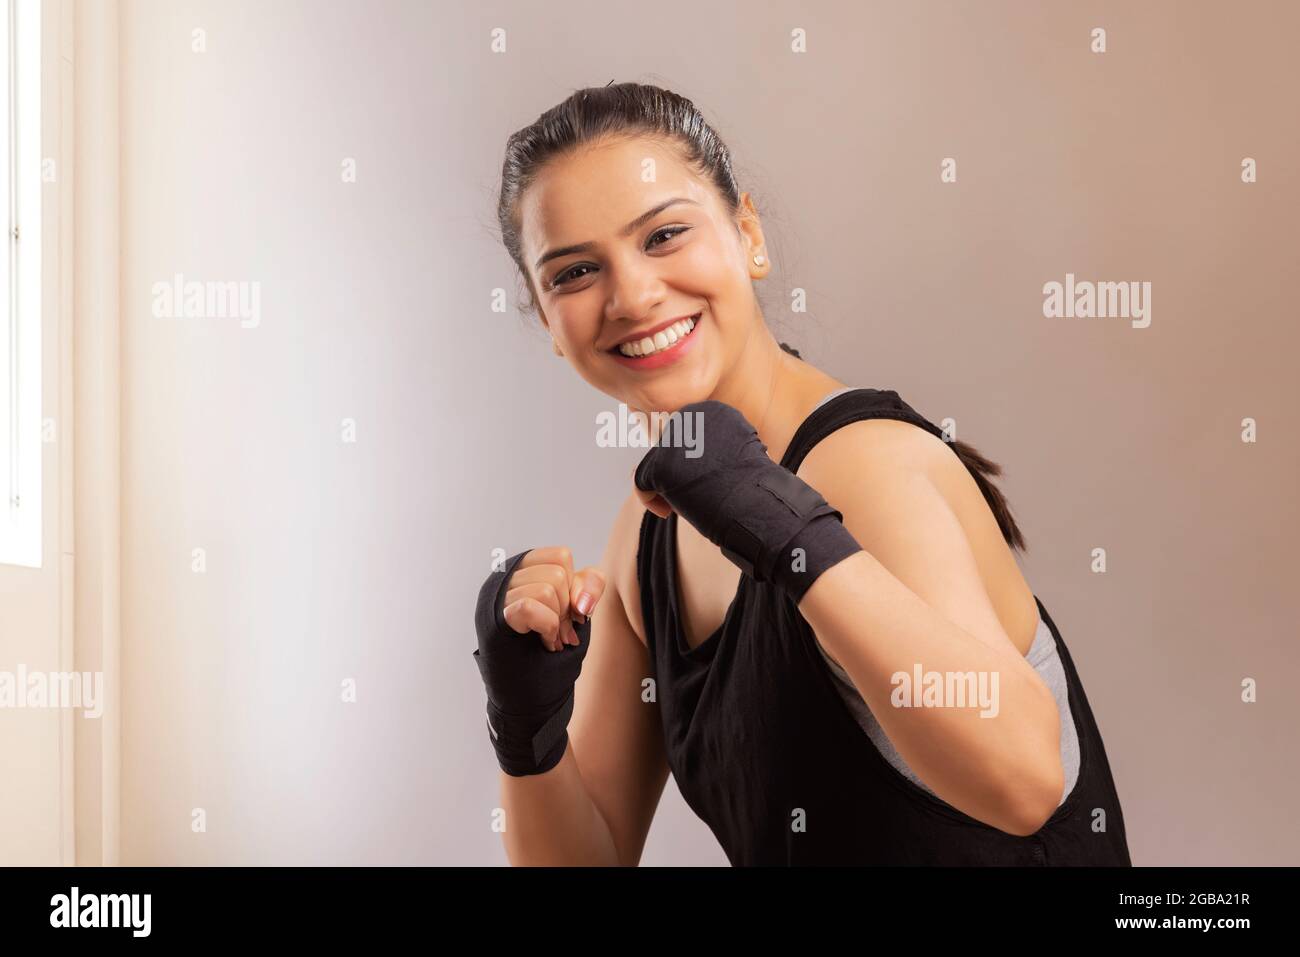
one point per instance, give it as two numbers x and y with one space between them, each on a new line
772 688
649 291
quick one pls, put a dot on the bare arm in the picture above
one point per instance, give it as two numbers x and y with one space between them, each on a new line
914 596
596 805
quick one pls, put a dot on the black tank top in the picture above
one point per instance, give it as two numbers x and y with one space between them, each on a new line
765 750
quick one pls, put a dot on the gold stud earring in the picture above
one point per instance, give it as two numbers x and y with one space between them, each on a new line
556 346
758 260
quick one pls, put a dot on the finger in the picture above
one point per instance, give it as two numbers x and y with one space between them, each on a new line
554 575
559 580
545 592
550 595
552 555
529 614
655 503
652 500
643 475
643 496
588 587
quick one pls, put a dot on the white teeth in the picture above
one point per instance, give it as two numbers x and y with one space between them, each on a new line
660 341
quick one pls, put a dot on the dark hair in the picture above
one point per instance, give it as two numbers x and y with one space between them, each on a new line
631 109
982 470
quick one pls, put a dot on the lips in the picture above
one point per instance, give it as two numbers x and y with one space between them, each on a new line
657 339
668 352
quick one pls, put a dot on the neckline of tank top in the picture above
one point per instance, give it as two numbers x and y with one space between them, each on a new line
847 388
788 459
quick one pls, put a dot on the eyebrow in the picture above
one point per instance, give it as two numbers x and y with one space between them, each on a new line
630 228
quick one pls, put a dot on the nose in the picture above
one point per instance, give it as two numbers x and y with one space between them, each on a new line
635 290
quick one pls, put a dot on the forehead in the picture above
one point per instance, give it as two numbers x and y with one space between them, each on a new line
593 193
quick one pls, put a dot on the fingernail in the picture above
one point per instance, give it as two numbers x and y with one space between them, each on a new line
584 603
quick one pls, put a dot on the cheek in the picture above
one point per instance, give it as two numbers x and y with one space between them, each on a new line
712 265
574 329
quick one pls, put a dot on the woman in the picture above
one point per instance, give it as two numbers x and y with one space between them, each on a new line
871 682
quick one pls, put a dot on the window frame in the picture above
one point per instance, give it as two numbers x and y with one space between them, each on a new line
21 327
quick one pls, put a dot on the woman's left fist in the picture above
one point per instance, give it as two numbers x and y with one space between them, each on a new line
712 468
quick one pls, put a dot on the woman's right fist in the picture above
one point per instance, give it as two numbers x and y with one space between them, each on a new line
533 633
546 596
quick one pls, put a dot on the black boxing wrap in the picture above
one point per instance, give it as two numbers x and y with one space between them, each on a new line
529 687
769 522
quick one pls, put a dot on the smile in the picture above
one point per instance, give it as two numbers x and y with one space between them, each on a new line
663 348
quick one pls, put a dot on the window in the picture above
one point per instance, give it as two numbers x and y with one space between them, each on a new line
20 283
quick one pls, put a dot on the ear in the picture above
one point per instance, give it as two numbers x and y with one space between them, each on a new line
751 230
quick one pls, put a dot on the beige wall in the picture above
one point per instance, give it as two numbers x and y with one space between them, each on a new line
329 561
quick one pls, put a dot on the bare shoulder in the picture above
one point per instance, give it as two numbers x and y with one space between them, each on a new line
892 455
880 446
910 500
892 473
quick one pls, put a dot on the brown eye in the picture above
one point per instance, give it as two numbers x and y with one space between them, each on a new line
568 275
670 232
576 272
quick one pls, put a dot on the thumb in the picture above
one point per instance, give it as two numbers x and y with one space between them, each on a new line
643 478
588 585
644 487
655 503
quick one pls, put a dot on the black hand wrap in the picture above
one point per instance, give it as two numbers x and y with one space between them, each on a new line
529 687
772 524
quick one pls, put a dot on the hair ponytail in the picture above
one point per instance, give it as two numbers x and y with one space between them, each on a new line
982 470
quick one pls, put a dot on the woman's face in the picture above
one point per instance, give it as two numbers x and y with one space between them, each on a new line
636 275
